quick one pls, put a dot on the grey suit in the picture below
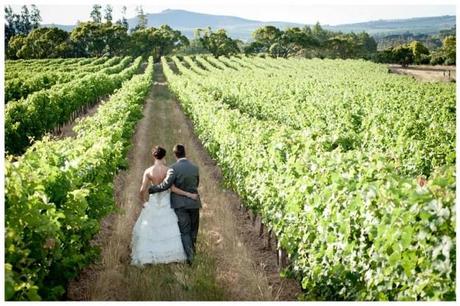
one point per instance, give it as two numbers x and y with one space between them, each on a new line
184 175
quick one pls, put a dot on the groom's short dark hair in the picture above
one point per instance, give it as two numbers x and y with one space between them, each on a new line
179 150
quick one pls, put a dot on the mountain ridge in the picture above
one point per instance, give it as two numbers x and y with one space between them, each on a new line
241 28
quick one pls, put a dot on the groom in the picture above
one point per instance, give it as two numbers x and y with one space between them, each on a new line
184 175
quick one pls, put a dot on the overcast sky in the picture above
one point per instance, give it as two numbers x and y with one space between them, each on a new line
307 12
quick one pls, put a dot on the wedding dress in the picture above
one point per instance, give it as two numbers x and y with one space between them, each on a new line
156 237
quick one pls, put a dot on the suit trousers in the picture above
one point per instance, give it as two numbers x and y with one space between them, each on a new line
188 221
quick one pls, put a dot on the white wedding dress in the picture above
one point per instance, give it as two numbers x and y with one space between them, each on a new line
156 237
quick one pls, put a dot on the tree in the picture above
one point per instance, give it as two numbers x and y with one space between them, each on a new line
97 39
366 44
44 43
218 43
96 13
296 41
156 42
22 23
437 57
278 50
340 46
320 34
88 39
124 21
446 54
116 39
166 40
108 13
10 27
142 18
254 48
418 50
403 55
267 36
449 49
35 17
141 42
16 43
25 25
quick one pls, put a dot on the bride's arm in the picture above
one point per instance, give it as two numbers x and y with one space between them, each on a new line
144 187
193 196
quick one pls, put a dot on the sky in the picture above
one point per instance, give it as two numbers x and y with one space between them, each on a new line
305 12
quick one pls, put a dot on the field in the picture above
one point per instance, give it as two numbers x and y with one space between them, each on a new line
350 168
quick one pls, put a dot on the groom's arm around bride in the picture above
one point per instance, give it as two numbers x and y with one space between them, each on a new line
185 176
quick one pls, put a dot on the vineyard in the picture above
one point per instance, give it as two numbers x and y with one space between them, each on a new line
42 110
350 167
58 190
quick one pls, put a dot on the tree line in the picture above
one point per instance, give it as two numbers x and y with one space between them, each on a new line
416 52
100 36
431 41
318 42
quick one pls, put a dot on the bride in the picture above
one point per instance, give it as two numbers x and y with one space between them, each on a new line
156 237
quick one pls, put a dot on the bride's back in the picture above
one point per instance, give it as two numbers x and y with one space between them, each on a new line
157 173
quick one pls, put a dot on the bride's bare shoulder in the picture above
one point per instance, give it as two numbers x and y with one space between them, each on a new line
148 171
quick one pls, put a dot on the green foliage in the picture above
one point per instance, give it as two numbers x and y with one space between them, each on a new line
57 192
449 49
108 13
417 53
418 50
93 39
96 14
142 19
44 43
156 41
21 24
24 80
96 39
328 153
403 55
44 110
310 42
267 36
218 43
16 43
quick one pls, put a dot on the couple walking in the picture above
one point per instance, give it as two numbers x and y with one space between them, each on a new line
167 227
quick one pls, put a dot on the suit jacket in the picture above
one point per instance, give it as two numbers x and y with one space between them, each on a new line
184 175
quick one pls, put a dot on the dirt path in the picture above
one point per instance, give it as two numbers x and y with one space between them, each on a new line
426 73
232 262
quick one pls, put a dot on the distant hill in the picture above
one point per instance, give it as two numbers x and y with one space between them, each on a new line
187 22
420 25
64 27
240 28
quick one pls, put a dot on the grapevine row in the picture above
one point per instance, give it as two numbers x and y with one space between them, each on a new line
353 225
28 83
57 192
44 110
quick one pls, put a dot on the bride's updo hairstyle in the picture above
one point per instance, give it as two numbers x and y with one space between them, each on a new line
158 152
